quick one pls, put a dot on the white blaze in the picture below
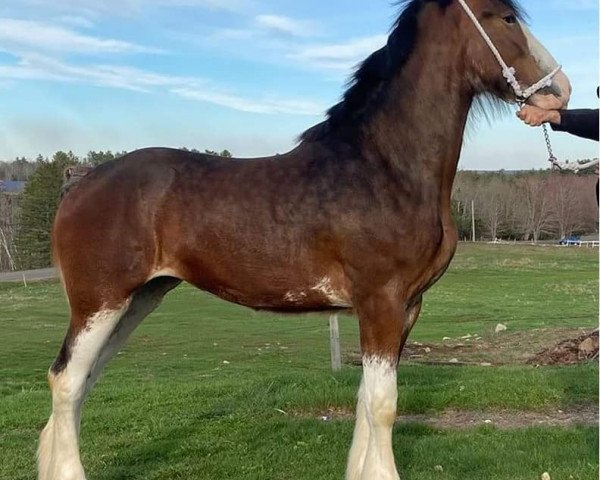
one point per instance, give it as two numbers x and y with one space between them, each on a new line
547 63
544 58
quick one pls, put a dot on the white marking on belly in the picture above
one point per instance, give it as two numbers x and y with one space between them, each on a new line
294 297
336 298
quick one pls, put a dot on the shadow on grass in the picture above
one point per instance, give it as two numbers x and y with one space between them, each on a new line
166 455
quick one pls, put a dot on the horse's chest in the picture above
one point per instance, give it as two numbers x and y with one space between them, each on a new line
436 262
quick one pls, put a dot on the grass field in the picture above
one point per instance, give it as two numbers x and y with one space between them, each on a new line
209 390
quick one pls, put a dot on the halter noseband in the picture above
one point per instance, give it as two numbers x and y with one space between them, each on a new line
509 73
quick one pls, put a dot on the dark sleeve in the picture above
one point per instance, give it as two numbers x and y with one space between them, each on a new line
583 123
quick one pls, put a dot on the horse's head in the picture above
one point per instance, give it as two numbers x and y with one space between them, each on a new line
502 22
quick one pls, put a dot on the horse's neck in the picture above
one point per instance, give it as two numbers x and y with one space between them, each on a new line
419 127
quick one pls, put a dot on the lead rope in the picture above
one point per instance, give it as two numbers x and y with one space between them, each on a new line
575 167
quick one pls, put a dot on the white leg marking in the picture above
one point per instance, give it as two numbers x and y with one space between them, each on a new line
58 451
360 440
380 397
143 303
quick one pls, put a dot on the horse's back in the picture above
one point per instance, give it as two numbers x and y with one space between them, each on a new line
142 173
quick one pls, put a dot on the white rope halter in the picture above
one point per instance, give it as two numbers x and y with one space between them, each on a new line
509 72
522 95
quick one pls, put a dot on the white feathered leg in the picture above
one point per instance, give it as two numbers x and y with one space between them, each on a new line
380 397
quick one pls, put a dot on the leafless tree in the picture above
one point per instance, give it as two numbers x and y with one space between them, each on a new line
564 203
534 212
587 203
493 197
8 221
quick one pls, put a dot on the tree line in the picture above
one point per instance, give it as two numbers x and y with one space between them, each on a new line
528 206
26 218
20 169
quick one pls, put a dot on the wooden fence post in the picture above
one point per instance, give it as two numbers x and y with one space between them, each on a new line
334 338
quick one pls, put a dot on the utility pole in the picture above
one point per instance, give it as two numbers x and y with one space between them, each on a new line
473 218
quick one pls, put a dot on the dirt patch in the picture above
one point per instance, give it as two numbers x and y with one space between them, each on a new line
452 419
503 348
567 352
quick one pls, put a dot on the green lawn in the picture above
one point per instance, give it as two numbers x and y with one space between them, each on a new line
209 390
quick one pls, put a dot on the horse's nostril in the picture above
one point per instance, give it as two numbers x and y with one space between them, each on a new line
554 89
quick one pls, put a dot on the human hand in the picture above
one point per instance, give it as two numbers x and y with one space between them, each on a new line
535 116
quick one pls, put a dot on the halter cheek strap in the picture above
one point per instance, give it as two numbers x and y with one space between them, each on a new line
509 73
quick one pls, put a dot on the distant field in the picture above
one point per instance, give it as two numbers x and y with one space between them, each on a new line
209 390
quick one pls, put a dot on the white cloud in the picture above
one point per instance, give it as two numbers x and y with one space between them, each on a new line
268 33
39 67
265 106
287 25
223 34
29 136
94 8
75 21
341 56
229 5
20 35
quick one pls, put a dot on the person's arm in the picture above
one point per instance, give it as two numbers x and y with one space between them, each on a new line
583 123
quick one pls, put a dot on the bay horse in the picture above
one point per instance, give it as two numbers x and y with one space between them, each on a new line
357 217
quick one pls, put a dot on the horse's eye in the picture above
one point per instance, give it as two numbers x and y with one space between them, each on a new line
510 19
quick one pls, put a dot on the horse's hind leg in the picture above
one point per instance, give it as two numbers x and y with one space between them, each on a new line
91 341
143 302
58 450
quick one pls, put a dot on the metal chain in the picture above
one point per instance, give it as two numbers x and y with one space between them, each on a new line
551 158
575 167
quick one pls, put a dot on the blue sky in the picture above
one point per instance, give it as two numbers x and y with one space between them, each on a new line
247 75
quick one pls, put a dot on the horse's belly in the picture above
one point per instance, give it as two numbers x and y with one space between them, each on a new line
276 287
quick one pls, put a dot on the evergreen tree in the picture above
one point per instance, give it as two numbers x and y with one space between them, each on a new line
39 204
224 153
97 158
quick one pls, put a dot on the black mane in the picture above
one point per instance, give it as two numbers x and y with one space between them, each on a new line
371 77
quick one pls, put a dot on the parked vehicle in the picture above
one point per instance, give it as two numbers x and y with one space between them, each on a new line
570 241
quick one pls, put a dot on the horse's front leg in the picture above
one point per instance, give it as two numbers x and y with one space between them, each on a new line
383 318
